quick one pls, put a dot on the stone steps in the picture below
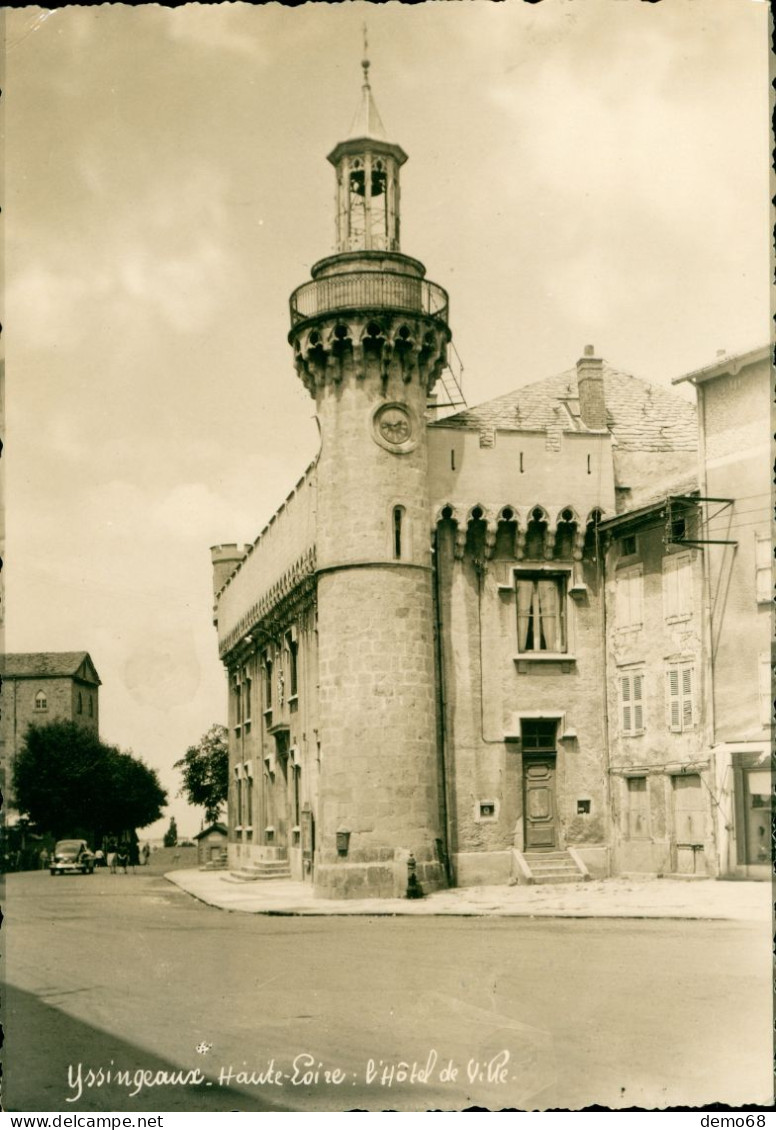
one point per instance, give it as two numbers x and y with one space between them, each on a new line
545 867
261 871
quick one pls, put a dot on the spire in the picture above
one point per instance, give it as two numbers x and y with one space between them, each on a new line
367 122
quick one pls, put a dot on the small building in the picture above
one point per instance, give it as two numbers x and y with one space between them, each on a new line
660 771
211 843
736 459
40 687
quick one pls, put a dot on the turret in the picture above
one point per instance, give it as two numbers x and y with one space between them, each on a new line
369 335
369 308
225 559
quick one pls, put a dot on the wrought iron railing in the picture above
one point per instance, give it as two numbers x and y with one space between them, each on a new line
368 290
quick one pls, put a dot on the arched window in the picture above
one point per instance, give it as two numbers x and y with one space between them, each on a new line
80 703
41 702
91 707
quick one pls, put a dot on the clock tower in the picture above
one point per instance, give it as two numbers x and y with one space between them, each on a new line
369 334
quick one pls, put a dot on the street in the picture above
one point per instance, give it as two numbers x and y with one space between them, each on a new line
124 993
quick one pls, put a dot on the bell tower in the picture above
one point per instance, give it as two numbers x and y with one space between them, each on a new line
369 334
367 166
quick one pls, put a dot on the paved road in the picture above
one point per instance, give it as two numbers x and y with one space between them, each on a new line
128 974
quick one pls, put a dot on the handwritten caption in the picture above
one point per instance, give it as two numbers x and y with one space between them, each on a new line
305 1070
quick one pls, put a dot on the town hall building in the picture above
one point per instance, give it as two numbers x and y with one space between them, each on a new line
438 651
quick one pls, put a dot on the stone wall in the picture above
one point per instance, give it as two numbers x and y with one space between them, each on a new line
489 689
520 469
269 571
735 411
18 712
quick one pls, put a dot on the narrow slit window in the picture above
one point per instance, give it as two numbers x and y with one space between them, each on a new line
398 522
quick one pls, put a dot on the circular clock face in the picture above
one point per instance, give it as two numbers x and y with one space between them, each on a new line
394 427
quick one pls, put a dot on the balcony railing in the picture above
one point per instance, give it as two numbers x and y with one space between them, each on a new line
368 290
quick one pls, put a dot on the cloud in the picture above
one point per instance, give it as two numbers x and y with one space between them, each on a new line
220 28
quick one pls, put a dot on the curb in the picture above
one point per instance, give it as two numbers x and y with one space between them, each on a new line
417 910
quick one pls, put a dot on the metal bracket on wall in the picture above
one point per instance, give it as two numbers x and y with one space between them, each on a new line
685 500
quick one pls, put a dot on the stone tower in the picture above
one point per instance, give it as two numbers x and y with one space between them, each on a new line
369 335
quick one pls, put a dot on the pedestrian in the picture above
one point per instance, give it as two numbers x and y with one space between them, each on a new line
44 858
122 858
99 858
146 854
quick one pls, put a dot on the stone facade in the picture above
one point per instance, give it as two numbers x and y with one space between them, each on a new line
435 647
736 476
659 767
42 687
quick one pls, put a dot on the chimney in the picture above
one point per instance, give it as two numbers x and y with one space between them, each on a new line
590 382
225 560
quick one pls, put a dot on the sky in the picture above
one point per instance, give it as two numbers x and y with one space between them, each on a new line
579 173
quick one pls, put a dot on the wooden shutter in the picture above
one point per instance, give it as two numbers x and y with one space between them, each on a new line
625 700
669 588
673 703
636 614
688 712
621 599
762 562
683 585
638 703
628 605
766 690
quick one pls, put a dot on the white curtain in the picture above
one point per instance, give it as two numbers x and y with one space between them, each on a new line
525 601
548 615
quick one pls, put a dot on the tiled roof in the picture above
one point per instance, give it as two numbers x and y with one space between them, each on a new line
217 827
40 664
641 416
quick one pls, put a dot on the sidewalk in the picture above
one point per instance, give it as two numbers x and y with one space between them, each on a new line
605 898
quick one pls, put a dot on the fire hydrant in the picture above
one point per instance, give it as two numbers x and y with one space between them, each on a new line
414 889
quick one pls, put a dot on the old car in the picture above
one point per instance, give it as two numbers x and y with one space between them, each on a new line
71 856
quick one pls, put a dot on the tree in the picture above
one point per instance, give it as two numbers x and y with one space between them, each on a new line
205 771
66 780
170 837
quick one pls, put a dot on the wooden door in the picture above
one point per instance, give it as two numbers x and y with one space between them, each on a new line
539 803
689 807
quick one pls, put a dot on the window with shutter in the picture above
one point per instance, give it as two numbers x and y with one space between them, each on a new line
632 702
762 564
677 587
687 700
638 706
628 597
626 704
766 689
680 697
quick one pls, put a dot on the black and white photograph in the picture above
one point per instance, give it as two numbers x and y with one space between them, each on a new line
387 569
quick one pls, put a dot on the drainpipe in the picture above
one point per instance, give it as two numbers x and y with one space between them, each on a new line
707 647
442 723
601 567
